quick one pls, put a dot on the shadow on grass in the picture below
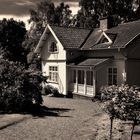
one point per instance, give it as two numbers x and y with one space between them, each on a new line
43 111
39 111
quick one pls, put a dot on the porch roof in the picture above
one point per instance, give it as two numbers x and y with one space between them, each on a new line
91 62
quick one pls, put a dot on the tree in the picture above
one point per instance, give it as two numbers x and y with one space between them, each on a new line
20 88
122 102
12 35
117 11
46 12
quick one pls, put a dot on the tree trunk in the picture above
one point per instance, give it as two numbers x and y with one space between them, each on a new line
111 127
132 131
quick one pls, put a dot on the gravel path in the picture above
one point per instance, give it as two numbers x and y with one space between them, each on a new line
69 119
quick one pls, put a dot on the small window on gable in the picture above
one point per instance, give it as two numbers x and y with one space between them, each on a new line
53 48
112 36
103 40
107 38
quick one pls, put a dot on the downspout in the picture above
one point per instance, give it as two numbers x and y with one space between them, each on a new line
124 73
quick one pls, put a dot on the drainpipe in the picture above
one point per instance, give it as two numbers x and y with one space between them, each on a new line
94 80
124 73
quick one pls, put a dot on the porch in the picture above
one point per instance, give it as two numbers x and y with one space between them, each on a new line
82 77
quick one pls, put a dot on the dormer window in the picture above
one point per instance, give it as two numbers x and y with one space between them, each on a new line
105 39
53 48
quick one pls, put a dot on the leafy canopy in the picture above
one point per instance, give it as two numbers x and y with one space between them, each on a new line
12 34
116 10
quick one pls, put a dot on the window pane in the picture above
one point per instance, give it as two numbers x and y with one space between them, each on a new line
80 77
110 80
73 76
53 47
50 75
89 78
112 76
114 70
110 70
114 79
53 74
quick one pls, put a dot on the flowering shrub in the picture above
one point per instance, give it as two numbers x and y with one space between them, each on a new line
122 102
19 88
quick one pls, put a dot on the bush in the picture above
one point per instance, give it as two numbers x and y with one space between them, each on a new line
19 88
51 90
122 102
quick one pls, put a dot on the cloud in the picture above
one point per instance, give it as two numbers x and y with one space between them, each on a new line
21 7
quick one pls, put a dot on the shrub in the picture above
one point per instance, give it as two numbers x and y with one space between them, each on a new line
122 102
19 88
51 90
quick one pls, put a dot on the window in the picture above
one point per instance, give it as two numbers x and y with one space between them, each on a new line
80 77
112 36
73 76
89 75
53 47
112 76
53 73
103 40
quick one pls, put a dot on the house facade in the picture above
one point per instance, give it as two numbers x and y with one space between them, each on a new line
81 61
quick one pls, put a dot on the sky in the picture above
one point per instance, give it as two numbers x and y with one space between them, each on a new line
19 9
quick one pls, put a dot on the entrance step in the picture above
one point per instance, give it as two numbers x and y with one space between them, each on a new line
80 96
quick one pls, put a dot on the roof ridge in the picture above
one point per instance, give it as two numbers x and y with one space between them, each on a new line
70 27
86 38
127 23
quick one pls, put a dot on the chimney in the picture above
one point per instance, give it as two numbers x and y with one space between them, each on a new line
104 23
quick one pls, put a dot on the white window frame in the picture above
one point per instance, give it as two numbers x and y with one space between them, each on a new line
109 42
112 75
53 74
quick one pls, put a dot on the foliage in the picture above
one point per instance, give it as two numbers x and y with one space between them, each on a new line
19 88
117 11
46 12
51 90
122 102
12 34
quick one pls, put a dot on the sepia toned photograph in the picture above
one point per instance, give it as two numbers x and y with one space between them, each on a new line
69 69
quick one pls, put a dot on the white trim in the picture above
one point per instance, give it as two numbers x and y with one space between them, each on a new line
106 36
109 40
84 86
43 36
53 33
131 40
40 41
57 80
112 75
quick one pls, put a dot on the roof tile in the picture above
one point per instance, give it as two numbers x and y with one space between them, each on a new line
71 37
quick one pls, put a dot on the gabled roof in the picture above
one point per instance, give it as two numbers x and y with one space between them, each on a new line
92 39
125 33
77 38
71 37
120 36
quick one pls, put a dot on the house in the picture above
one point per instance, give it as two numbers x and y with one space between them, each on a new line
81 61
